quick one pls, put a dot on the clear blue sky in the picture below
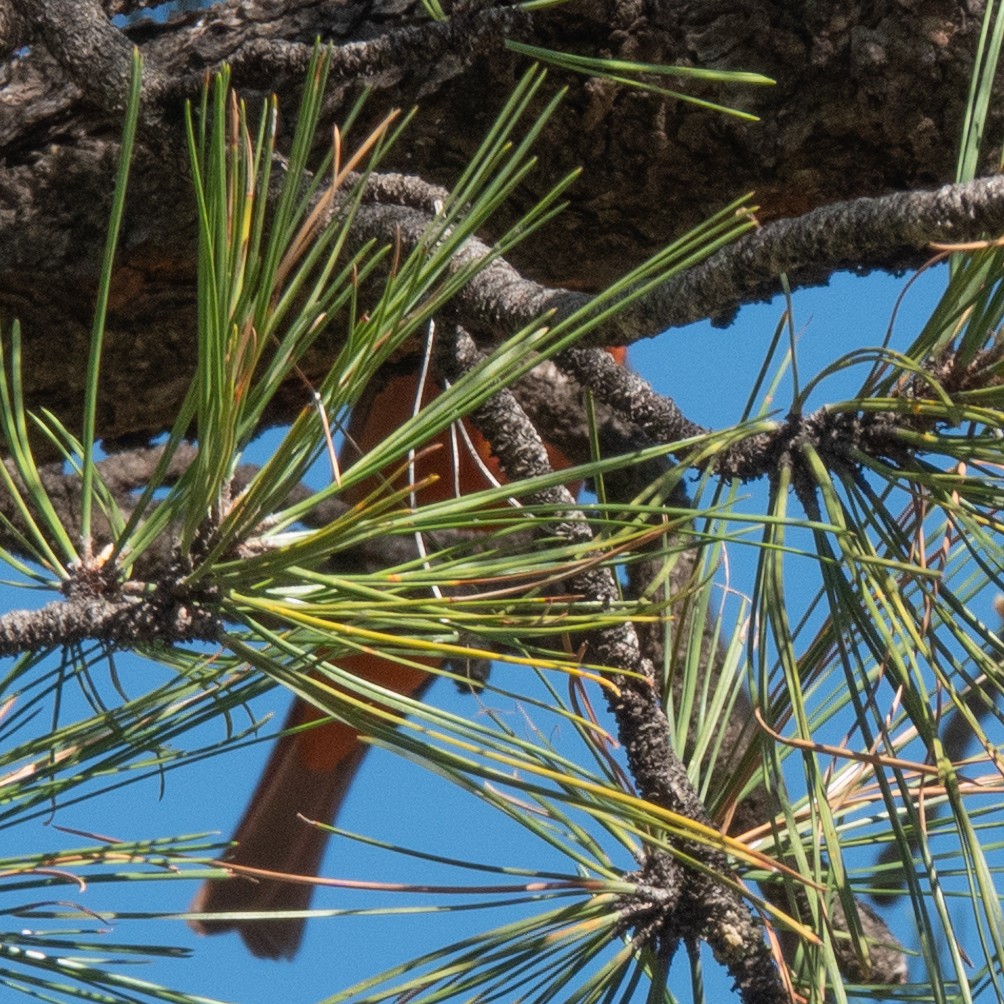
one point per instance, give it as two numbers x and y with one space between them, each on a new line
708 371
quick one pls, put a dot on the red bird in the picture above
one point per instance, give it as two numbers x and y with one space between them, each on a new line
309 773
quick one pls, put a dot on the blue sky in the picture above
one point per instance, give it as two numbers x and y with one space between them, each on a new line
708 371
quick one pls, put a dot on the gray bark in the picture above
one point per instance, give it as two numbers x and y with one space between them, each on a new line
868 100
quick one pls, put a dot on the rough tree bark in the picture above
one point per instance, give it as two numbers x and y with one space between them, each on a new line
868 100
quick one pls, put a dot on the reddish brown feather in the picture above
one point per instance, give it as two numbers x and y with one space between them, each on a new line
309 773
273 838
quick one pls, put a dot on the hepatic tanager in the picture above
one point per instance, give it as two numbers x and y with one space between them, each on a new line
309 772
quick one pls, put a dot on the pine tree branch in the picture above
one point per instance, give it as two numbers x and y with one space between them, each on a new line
692 905
127 617
865 233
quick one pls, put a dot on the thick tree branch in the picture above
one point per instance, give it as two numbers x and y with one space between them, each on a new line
452 43
57 155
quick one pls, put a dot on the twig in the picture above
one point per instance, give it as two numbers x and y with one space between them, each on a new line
123 619
865 232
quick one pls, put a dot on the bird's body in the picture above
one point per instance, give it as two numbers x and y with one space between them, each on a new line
309 772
